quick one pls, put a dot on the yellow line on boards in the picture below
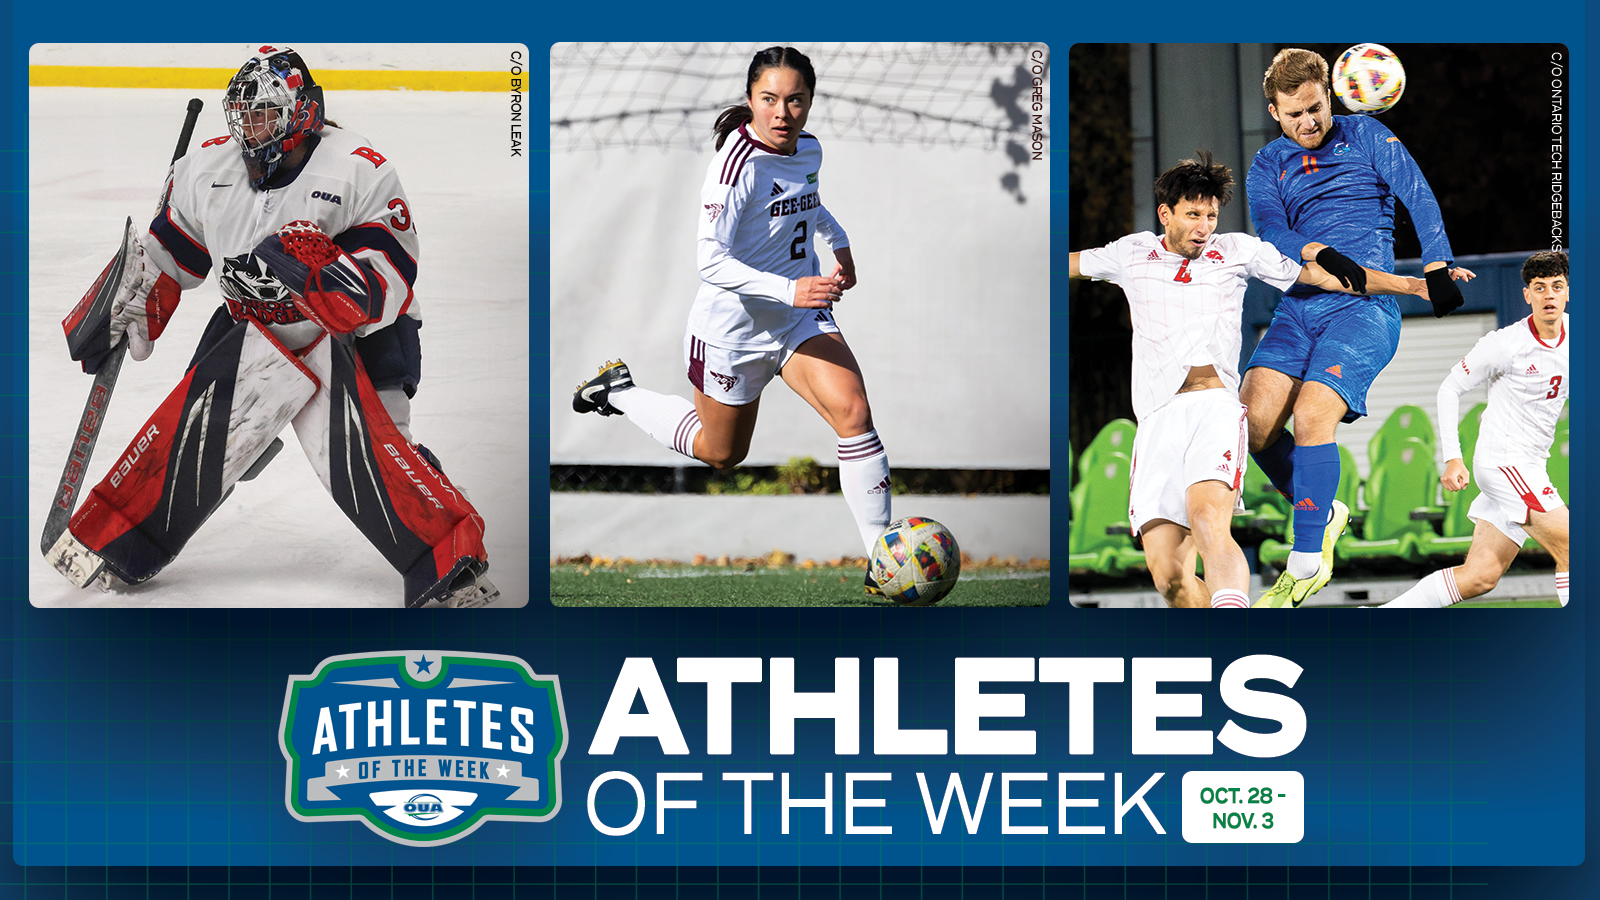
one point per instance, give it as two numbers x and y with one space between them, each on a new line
217 79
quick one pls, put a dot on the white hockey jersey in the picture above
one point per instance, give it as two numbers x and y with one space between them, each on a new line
1527 388
759 210
214 220
1185 313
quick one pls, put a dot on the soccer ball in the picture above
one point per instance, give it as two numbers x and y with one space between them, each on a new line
916 561
1368 78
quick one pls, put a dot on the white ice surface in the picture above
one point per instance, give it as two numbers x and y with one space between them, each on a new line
97 156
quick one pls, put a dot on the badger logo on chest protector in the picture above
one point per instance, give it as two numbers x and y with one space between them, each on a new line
253 294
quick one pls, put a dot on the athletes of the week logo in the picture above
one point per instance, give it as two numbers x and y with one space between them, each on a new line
423 746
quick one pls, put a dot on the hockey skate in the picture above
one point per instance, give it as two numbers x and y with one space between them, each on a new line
592 394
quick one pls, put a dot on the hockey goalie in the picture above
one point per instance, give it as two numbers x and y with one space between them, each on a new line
312 241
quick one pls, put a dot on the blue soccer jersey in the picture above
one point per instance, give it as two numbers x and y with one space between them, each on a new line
1343 194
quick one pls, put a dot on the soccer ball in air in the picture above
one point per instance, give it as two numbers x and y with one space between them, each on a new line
1368 78
916 561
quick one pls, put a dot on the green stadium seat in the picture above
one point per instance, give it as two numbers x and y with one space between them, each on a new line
1405 422
1258 492
1115 437
1403 478
1457 527
1468 430
1559 466
1102 504
1349 490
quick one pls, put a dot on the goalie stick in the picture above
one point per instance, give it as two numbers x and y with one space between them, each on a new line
98 303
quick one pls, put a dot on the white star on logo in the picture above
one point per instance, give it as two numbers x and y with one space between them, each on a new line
343 772
503 770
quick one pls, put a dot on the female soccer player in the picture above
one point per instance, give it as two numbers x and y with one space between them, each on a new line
763 308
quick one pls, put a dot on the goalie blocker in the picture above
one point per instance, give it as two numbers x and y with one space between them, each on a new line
222 417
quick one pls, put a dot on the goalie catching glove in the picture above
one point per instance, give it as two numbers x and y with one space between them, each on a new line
329 286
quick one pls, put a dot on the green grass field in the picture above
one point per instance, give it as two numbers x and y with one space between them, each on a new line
776 586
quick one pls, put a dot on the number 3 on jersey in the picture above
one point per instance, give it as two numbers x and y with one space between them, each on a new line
1183 273
401 220
1555 387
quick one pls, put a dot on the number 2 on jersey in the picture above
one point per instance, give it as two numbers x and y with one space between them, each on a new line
797 247
1183 273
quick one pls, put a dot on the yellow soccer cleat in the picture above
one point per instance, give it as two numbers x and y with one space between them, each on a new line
1277 595
1293 591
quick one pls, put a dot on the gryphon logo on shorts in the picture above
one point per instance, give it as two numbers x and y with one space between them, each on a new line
423 746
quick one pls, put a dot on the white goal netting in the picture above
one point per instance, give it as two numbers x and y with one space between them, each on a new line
630 96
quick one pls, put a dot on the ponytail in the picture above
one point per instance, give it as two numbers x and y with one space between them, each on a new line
730 120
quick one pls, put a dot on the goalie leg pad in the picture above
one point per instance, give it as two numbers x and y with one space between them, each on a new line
400 501
202 439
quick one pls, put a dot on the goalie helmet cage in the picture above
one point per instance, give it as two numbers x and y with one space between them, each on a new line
634 96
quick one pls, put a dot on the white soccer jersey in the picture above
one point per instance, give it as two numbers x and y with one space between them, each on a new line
759 210
1186 313
1527 388
214 221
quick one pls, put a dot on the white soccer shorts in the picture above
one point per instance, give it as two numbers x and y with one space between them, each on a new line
737 377
1510 492
1197 436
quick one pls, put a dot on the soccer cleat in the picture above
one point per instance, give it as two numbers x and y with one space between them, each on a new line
592 394
1278 595
1293 591
872 586
471 588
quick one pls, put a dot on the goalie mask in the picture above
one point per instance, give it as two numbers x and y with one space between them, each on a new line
272 104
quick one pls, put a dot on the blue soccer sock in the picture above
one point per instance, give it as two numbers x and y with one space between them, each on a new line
1316 480
1277 462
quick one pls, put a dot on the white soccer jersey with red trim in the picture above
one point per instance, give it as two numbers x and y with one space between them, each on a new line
758 212
1527 378
1185 313
214 220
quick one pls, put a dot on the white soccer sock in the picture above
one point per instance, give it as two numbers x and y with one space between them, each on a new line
1561 587
1437 589
864 479
1303 564
1227 598
670 419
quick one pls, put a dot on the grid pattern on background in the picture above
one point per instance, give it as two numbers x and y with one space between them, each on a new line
592 882
727 882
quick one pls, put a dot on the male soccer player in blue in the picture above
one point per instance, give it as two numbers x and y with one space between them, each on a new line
1325 191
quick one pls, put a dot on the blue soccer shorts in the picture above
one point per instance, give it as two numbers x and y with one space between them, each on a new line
1340 340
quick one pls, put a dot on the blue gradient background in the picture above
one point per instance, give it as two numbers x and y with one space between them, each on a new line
148 738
